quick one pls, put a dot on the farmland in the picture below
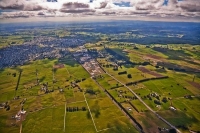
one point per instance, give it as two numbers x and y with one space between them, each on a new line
177 90
70 86
49 108
79 79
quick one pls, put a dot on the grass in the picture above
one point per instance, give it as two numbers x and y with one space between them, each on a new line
51 120
149 121
166 86
140 117
45 112
179 118
190 107
7 84
107 116
11 40
140 107
135 73
175 87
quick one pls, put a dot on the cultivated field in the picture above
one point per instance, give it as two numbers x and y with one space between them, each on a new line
46 111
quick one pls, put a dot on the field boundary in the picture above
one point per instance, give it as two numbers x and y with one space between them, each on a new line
161 118
90 112
119 106
64 117
143 80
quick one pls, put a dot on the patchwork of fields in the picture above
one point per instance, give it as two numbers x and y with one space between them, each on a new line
61 96
45 112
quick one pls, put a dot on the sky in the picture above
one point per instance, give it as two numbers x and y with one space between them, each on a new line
184 10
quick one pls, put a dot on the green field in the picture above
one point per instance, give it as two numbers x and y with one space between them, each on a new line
45 112
93 111
174 88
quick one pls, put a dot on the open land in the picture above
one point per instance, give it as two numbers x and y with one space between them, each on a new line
59 81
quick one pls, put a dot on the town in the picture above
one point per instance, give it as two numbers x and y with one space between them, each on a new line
39 48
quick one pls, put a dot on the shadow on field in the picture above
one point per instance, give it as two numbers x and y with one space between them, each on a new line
42 79
67 61
2 70
119 127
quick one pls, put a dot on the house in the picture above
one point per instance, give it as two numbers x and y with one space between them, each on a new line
172 108
19 114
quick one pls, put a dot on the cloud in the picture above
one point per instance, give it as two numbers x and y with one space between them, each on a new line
12 4
108 12
147 5
33 8
20 5
103 5
40 13
76 10
74 5
19 15
190 6
63 8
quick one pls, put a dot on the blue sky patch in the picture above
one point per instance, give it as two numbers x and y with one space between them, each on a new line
123 4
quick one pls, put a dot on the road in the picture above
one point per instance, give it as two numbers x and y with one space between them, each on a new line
90 113
136 126
64 117
20 128
140 100
145 104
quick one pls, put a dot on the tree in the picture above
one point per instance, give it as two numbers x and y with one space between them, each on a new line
157 102
83 109
164 99
172 130
129 76
90 91
88 115
157 97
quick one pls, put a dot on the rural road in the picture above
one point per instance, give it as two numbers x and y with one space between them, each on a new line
90 113
145 104
136 126
139 99
64 117
20 128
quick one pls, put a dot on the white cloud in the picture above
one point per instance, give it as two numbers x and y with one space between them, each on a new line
29 8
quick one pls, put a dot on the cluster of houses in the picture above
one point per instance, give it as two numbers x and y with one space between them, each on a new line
90 64
5 106
39 48
44 88
20 115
